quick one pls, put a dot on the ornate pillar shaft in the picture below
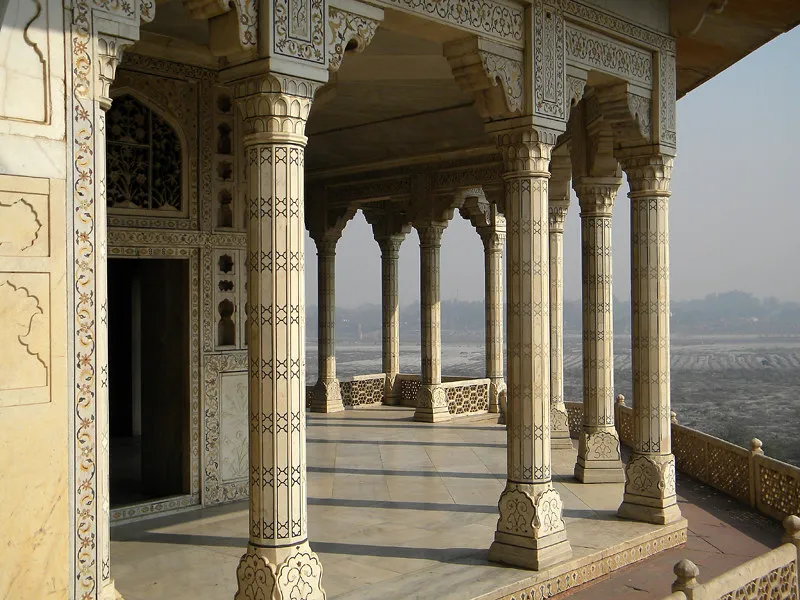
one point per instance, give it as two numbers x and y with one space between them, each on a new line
530 531
431 401
650 472
327 394
493 242
390 304
599 459
279 560
559 420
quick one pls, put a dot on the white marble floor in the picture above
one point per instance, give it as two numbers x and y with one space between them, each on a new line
397 509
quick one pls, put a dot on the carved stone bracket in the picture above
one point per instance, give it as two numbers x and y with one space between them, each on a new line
233 25
628 114
491 71
350 31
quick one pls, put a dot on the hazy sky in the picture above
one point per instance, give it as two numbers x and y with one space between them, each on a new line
734 212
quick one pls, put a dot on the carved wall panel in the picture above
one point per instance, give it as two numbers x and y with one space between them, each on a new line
226 213
221 450
230 278
27 274
233 429
182 95
32 69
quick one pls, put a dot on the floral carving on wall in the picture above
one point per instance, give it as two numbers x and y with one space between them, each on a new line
144 159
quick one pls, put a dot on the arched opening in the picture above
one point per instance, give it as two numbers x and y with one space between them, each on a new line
149 316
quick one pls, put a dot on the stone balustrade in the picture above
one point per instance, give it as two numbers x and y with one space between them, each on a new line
766 484
771 575
363 390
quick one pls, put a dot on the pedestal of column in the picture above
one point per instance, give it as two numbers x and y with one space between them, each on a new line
559 420
279 563
493 238
431 398
650 472
327 395
599 459
530 531
390 325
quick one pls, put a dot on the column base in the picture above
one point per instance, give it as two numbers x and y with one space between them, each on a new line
530 531
650 490
559 441
594 473
559 427
109 592
657 515
327 397
391 391
280 574
599 459
432 405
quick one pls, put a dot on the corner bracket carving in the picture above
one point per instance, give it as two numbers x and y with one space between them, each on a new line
350 31
492 72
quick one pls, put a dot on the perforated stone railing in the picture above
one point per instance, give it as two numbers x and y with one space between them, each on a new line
766 484
467 397
771 576
409 386
464 396
362 390
575 418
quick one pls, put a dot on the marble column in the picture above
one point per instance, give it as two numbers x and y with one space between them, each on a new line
530 531
327 396
431 398
278 562
493 238
559 420
390 305
650 471
599 459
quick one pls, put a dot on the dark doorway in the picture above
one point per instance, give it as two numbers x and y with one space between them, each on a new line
148 310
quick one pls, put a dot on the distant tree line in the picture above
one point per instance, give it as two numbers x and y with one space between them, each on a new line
731 312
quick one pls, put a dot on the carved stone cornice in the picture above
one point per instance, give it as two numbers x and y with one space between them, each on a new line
275 107
648 175
492 72
596 195
349 32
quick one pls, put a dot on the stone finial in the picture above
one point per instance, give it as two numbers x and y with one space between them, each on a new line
755 446
687 573
673 417
620 399
791 531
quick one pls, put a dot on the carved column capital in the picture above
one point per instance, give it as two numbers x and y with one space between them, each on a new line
274 107
526 151
493 238
326 246
390 246
596 195
109 53
649 175
557 214
430 234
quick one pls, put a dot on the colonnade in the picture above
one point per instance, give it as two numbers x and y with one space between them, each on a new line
531 532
